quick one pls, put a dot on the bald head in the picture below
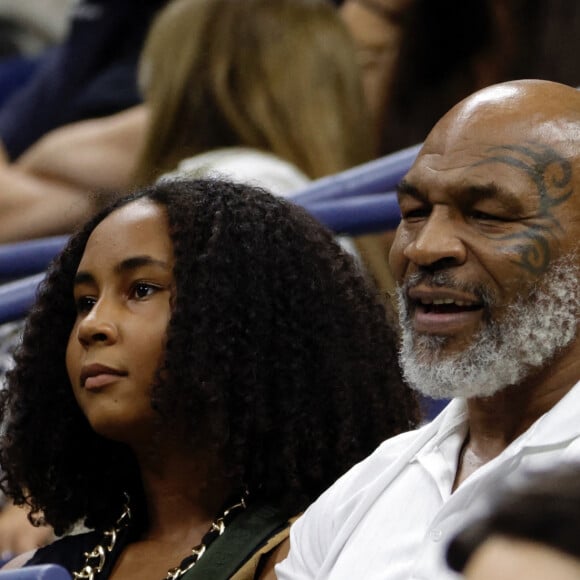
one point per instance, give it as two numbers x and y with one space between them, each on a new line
522 97
518 110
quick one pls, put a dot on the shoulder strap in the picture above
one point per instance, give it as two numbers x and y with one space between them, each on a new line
243 537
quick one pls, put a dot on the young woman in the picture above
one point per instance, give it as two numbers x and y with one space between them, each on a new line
202 361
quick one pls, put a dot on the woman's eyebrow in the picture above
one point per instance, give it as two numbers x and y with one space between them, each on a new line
136 262
82 277
127 265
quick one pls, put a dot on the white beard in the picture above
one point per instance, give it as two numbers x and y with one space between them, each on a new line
533 329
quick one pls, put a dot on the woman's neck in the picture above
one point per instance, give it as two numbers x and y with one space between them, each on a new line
183 493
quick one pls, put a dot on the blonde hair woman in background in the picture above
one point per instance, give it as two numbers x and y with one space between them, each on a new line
279 77
275 78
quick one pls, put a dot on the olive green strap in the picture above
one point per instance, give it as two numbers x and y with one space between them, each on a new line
245 535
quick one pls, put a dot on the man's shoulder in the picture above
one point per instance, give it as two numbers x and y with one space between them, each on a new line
330 520
400 448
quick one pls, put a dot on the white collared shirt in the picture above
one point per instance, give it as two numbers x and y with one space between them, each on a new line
392 515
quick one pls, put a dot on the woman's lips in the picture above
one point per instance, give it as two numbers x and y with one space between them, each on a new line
95 376
98 381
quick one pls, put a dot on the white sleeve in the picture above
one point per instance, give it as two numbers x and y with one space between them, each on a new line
309 537
319 536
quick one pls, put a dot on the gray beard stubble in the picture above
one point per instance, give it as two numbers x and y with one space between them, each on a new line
533 329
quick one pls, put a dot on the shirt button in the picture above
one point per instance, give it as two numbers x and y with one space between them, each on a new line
435 534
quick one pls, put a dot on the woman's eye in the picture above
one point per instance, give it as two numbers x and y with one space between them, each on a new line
143 290
84 304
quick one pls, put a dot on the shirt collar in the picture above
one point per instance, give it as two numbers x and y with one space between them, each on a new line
559 424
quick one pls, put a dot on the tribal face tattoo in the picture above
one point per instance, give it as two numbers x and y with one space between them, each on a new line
551 175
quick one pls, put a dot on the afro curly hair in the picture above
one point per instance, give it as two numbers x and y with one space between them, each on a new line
278 357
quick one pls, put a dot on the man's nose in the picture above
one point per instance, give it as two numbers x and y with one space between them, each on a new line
437 243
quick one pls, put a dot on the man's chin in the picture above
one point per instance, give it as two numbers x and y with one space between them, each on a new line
441 367
436 348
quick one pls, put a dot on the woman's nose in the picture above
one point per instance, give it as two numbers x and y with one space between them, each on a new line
99 325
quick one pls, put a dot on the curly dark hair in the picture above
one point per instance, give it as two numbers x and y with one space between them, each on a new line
278 357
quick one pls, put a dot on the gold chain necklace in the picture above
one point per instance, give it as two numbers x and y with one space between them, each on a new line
95 560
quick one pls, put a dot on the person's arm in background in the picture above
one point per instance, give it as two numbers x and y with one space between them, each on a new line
4 160
31 207
49 190
92 155
17 534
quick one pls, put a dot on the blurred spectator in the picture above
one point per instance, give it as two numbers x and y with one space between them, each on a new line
27 27
279 77
530 532
92 73
220 99
421 57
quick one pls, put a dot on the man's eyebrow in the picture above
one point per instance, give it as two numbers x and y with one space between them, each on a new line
507 199
406 188
127 265
471 194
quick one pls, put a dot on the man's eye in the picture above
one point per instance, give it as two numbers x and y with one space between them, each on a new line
417 213
85 304
484 216
143 290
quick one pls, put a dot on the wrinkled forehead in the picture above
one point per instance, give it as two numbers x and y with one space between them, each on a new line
538 162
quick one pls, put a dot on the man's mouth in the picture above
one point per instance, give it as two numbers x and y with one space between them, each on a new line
443 311
446 305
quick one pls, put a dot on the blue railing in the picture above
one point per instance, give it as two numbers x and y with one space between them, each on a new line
356 201
378 176
25 258
44 572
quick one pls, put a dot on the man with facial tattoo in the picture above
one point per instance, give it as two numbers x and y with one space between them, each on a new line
487 259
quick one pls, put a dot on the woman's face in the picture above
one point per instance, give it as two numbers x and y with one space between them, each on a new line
122 291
